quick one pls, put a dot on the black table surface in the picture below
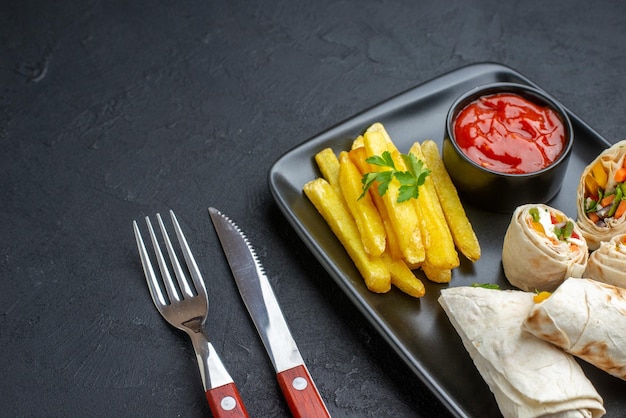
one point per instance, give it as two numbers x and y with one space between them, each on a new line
114 110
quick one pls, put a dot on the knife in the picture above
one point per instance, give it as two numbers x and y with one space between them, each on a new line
293 377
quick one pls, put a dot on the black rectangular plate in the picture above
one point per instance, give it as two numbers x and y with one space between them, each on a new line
418 330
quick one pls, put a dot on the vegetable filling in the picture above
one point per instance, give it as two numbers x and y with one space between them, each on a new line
555 227
605 197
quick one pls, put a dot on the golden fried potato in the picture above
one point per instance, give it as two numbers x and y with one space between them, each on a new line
403 278
328 163
373 269
440 250
358 156
380 128
365 214
403 215
357 143
435 274
460 227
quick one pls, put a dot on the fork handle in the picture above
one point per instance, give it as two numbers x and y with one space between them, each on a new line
225 402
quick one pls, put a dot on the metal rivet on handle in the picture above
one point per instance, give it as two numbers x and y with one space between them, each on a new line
228 403
299 383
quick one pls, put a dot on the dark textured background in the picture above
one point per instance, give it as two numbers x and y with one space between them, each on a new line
110 111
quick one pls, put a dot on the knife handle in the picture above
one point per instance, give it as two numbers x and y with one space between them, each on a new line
301 394
225 402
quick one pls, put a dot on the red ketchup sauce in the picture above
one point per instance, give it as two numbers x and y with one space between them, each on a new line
507 133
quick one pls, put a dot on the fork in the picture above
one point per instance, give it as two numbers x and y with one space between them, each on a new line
186 308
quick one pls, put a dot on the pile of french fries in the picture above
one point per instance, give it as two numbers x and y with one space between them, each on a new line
388 241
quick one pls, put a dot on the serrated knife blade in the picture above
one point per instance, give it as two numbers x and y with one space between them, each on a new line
292 374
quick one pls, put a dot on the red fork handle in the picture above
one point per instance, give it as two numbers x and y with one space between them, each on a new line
225 402
302 397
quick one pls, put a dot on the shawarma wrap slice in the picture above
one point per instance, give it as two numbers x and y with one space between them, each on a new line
586 318
542 247
601 191
528 377
607 264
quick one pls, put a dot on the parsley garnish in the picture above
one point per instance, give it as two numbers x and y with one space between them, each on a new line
486 285
410 180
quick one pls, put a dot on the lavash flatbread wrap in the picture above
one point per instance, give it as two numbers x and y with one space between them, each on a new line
607 264
601 196
542 247
528 377
587 319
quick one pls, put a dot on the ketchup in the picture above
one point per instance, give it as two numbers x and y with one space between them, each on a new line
507 133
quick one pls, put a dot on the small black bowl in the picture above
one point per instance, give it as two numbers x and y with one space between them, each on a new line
493 190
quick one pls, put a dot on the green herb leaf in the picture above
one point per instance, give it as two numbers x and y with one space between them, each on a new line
416 167
486 285
382 161
408 188
407 193
383 178
367 180
409 180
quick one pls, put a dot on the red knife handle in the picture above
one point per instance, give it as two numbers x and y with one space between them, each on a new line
301 394
225 402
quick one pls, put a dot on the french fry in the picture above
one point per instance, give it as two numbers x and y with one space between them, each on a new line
357 143
380 128
435 274
328 163
460 227
403 278
440 250
414 266
403 215
358 156
365 214
373 269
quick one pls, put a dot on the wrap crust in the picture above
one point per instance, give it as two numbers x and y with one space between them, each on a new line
533 262
586 318
528 377
607 264
611 159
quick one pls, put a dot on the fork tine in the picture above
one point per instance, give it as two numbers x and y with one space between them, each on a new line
170 288
189 258
178 270
155 289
